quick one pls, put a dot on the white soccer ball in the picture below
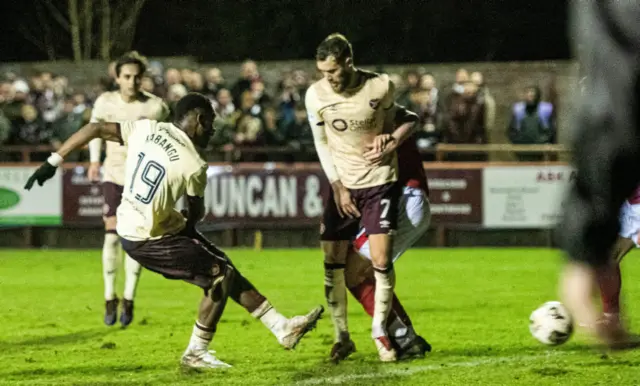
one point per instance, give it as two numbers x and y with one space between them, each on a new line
551 323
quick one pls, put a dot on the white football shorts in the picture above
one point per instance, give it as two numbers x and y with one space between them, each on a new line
414 217
630 221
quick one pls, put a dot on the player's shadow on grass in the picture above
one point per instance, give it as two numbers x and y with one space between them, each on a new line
57 340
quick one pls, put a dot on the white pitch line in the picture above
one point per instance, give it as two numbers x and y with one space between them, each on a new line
421 369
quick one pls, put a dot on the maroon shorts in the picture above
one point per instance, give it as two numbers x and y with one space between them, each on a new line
112 194
378 207
180 257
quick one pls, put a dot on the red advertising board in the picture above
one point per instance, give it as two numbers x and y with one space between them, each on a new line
263 195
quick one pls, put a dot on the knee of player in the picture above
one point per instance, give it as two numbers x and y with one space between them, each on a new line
111 239
335 252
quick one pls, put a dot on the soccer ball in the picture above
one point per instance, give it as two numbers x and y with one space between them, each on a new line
551 323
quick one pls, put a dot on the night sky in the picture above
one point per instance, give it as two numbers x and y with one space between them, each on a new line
382 31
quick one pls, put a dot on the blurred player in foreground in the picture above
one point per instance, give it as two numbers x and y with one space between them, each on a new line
606 153
413 221
163 164
349 109
128 103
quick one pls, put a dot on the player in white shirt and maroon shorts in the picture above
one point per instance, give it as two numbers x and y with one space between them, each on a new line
129 103
414 217
351 112
163 165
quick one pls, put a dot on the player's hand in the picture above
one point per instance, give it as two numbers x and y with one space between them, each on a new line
381 147
344 202
381 141
45 172
93 173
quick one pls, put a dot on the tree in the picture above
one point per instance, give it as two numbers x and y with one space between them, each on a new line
72 25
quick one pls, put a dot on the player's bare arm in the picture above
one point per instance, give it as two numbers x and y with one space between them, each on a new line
109 131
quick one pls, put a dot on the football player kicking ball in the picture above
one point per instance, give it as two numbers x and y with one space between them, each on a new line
414 219
347 109
162 165
128 103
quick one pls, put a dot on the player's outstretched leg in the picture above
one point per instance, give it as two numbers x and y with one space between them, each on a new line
287 331
110 252
197 354
132 276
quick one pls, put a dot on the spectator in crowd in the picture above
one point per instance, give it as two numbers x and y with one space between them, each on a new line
172 76
299 136
19 95
69 122
412 80
186 74
464 121
248 74
247 122
29 129
429 114
223 104
462 77
532 122
214 82
485 98
259 93
273 133
155 71
195 82
147 84
290 96
174 93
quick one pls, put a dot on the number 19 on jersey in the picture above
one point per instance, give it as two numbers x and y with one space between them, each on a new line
146 179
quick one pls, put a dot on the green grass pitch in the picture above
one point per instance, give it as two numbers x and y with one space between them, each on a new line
472 305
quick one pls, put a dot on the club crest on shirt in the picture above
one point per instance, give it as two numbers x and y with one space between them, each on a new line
374 103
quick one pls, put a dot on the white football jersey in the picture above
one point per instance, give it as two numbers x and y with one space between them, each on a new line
162 165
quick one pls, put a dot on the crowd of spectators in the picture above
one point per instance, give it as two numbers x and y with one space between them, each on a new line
42 109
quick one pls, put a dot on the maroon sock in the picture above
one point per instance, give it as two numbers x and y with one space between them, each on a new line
365 294
610 283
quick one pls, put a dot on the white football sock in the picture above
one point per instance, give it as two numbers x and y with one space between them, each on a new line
336 294
272 319
200 339
385 283
132 275
110 252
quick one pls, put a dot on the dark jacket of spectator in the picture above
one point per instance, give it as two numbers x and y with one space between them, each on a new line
532 121
464 122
